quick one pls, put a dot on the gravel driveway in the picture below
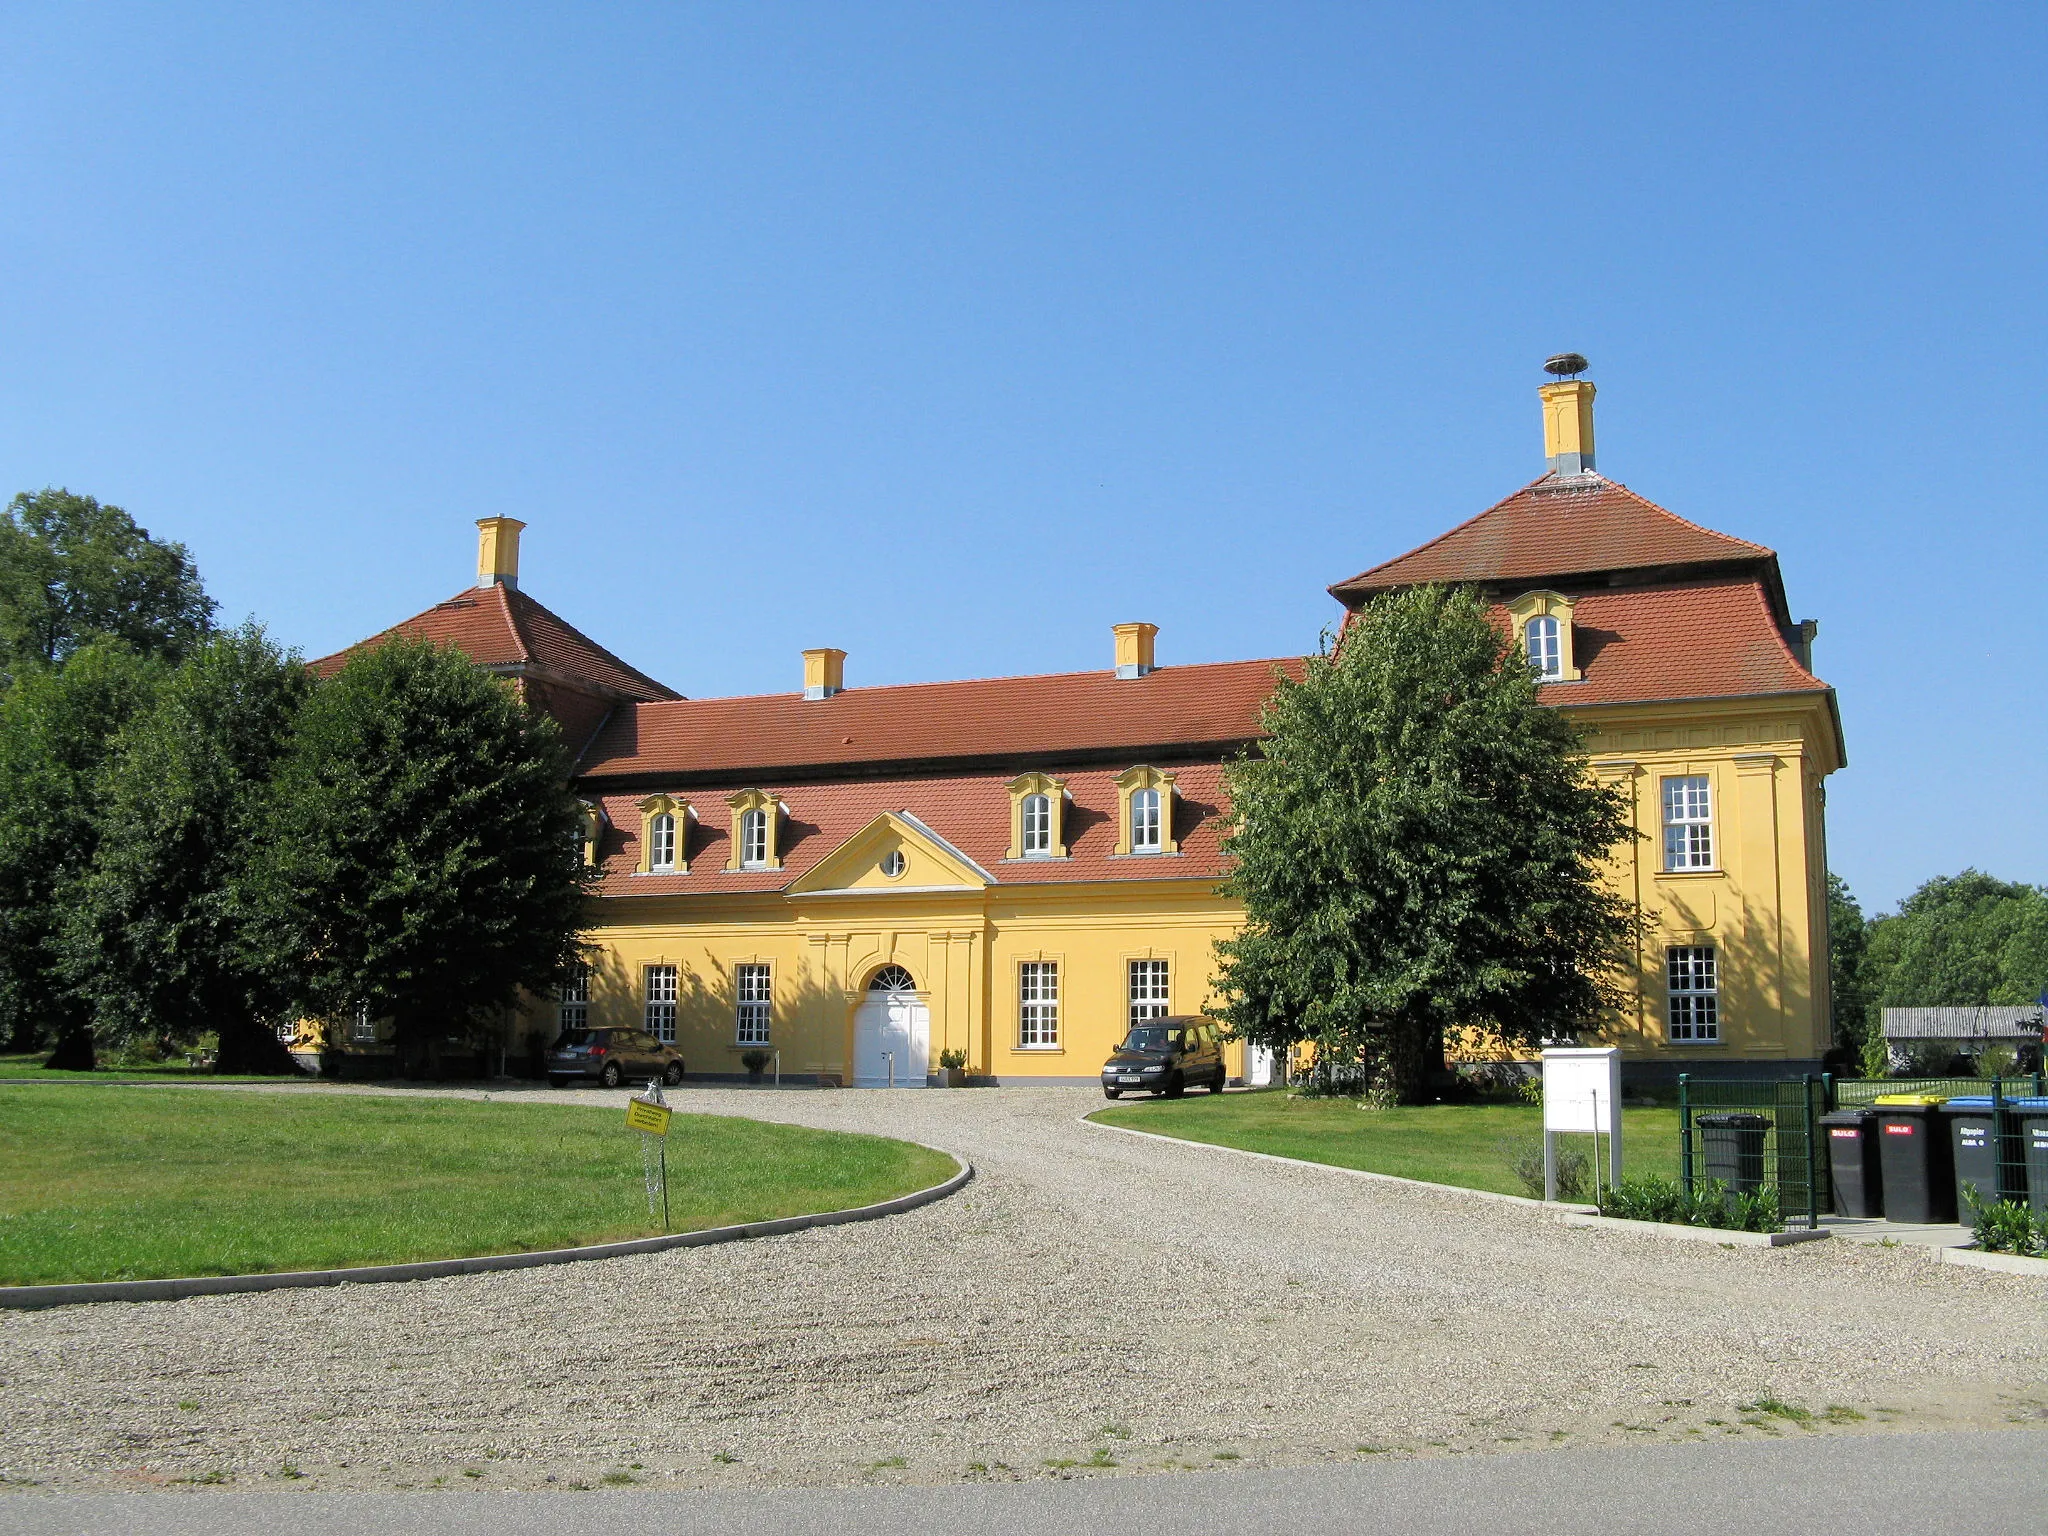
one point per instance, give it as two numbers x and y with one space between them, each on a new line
1093 1298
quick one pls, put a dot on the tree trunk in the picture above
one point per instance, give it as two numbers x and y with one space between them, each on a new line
250 1048
1400 1068
74 1051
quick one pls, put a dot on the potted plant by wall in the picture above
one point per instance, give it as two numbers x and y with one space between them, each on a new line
952 1069
756 1062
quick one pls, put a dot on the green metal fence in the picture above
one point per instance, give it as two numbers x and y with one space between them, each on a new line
1753 1135
1999 1148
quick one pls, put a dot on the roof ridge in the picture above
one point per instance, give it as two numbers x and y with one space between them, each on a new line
1715 533
522 645
514 598
961 682
1432 543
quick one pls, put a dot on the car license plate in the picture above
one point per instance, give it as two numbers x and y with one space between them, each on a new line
1129 1078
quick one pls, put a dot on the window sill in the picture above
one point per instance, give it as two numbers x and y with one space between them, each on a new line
1038 1050
1149 853
1689 874
1693 1045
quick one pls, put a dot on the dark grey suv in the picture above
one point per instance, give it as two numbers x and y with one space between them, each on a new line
611 1056
1166 1056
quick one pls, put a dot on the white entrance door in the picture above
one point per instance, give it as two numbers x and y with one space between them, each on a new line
891 1040
1258 1066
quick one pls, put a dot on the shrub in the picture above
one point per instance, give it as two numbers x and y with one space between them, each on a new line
952 1060
1997 1061
756 1062
1710 1204
2005 1226
1524 1157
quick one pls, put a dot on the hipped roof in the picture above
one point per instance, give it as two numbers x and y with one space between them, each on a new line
500 627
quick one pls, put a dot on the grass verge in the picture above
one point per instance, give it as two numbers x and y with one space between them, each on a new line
142 1185
14 1064
1442 1143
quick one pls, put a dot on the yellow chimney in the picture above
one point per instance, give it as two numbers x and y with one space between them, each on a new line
1568 425
824 673
1133 648
497 552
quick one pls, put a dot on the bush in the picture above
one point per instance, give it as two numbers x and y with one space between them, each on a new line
756 1062
2005 1226
1709 1205
952 1060
1997 1061
1524 1157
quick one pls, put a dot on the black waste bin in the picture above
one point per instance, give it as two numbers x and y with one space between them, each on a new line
1734 1148
1919 1174
2029 1121
1978 1150
1853 1161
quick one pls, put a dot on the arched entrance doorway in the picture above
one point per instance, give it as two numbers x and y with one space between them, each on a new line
892 1033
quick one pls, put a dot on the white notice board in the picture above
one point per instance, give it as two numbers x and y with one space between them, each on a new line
1581 1089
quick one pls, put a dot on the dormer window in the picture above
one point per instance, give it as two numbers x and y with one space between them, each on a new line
754 830
1145 821
583 842
1546 655
1037 817
664 827
1037 826
1145 812
1543 627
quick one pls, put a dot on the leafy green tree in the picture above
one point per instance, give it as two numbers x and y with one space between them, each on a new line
73 571
56 730
1417 845
154 940
1961 940
415 852
1848 939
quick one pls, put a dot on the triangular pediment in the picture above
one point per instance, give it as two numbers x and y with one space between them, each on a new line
863 862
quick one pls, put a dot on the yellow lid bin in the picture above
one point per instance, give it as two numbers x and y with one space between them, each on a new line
1910 1098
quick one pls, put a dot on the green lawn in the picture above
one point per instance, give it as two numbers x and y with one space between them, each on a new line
13 1064
1443 1143
101 1183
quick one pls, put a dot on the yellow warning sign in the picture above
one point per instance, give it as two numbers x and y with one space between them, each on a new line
643 1116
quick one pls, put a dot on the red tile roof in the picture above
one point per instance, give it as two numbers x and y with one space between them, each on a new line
496 626
970 811
1008 718
1558 526
1684 640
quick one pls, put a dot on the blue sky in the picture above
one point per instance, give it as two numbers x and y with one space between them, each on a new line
951 335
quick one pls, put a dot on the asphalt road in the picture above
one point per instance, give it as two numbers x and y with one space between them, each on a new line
1985 1481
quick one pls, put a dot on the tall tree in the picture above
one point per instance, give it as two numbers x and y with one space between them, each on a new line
73 571
1848 939
1417 843
415 856
56 729
1961 939
155 939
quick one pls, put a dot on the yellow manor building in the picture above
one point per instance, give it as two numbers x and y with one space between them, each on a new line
853 881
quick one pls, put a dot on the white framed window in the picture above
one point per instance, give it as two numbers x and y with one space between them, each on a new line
1688 823
1546 651
1145 821
754 840
573 1001
1038 1003
661 843
661 1003
754 987
1148 990
1693 1007
1037 816
362 1029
